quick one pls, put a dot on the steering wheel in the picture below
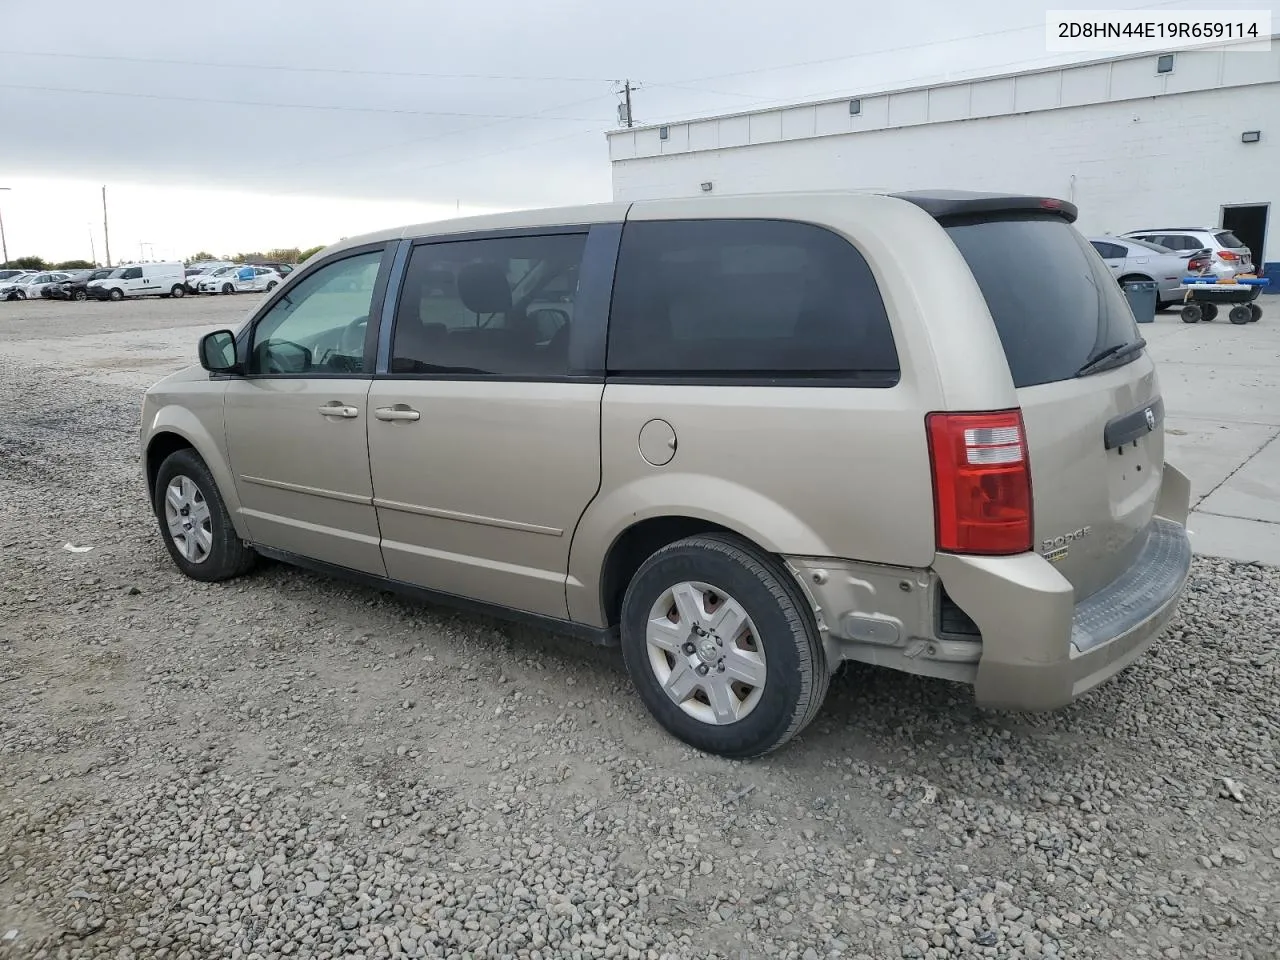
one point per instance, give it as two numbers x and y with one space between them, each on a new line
351 340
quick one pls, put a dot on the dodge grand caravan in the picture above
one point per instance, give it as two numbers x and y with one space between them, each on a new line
747 438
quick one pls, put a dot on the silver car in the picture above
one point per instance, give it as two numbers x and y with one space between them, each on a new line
1230 256
1132 260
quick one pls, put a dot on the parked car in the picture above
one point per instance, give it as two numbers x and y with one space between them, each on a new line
48 291
240 278
9 276
29 286
761 445
283 269
1230 256
194 273
1130 259
141 280
76 288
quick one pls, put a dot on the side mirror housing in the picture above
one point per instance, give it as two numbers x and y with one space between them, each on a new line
218 352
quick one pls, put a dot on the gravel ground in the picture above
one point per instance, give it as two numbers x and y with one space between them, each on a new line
290 766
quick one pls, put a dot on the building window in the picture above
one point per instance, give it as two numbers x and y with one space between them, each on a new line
855 108
1165 63
664 133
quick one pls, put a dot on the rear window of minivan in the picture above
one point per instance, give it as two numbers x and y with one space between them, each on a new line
1054 302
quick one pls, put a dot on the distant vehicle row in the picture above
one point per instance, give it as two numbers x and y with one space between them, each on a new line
128 281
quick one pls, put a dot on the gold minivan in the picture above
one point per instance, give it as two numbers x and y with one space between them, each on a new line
747 438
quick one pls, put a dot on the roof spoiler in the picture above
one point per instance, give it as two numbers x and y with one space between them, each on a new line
949 204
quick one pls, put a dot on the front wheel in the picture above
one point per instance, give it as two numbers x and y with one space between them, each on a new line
194 522
1192 313
1255 313
1240 313
20 295
271 286
79 295
228 288
722 647
116 293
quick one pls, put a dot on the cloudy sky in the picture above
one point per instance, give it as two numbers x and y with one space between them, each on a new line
247 125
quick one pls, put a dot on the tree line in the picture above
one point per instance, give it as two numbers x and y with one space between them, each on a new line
278 255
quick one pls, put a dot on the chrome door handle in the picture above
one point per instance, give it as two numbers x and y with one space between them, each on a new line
338 410
398 412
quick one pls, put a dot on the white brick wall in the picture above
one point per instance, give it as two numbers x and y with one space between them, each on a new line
1170 160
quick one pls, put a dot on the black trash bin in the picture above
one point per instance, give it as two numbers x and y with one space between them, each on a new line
1141 295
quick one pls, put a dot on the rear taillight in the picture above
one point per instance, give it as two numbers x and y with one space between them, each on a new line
981 482
1227 255
1198 263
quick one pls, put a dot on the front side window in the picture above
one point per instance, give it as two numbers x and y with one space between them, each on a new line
319 327
132 273
500 306
758 299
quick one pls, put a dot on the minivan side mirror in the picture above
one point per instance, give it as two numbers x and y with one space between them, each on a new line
218 352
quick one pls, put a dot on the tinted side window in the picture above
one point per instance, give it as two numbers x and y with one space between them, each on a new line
1109 251
746 298
500 306
1072 312
133 273
319 327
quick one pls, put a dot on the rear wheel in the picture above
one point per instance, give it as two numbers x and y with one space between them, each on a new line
1192 313
178 291
1255 312
1240 313
722 647
1210 311
194 522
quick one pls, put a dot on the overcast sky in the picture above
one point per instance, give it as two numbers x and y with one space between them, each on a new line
244 125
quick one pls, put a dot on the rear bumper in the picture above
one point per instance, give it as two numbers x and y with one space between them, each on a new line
1040 649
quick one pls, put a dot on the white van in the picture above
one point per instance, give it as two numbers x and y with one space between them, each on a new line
141 280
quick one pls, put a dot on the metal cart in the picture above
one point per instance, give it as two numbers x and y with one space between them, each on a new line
1203 296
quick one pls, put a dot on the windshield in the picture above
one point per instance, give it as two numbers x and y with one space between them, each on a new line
1054 302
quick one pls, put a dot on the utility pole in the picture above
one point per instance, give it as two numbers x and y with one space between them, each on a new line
106 236
93 253
624 108
4 244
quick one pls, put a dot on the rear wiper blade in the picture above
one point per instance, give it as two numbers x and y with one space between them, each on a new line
1112 355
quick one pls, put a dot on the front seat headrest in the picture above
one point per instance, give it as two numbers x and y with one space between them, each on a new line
483 287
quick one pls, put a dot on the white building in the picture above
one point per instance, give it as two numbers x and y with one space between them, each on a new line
1187 139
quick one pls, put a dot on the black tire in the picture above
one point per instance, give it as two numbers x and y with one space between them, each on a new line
228 288
1192 313
797 676
19 295
116 294
179 291
271 286
79 295
227 556
1240 313
1210 311
1255 312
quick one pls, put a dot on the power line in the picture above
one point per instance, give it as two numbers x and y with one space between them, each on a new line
875 53
289 106
341 71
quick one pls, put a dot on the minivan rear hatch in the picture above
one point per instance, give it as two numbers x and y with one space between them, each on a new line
1088 392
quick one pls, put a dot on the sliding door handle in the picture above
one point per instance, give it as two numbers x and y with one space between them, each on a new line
399 412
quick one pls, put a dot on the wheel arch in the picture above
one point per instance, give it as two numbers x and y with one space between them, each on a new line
175 429
620 530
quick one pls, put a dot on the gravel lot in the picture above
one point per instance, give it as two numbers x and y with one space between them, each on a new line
290 766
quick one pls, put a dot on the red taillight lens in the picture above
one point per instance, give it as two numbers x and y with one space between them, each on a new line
1199 263
981 482
1227 255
